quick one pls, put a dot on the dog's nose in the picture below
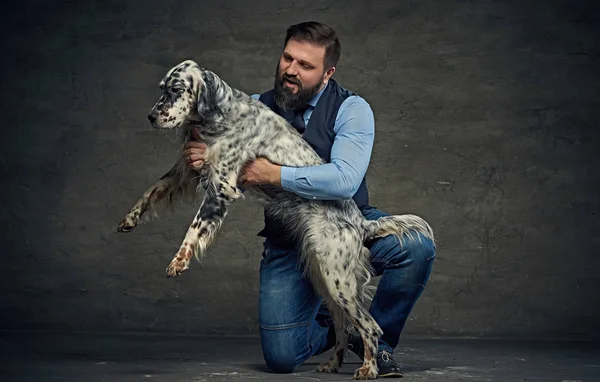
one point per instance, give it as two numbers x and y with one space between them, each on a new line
152 118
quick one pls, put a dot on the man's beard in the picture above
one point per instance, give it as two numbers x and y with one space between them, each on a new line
285 99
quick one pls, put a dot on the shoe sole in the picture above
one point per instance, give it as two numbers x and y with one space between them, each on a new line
388 375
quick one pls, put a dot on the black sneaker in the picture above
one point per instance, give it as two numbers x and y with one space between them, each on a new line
388 367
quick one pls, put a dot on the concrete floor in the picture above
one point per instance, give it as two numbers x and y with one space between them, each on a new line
54 357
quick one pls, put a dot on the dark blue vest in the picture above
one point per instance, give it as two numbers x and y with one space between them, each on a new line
319 134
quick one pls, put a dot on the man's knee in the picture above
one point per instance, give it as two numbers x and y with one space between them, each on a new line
413 248
418 247
282 363
282 349
418 253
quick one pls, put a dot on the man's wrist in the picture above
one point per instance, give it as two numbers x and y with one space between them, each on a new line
275 177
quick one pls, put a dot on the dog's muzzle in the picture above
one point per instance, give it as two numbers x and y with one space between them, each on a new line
152 117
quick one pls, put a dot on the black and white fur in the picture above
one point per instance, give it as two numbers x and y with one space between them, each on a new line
238 129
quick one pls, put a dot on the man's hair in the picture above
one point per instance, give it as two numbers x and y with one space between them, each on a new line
319 34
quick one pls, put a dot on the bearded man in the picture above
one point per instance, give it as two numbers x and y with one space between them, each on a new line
339 125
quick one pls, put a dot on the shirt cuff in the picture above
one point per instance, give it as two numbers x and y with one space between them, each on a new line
288 178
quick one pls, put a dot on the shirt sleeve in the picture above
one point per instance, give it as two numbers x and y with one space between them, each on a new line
350 157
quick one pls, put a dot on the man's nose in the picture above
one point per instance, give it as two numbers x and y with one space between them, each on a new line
291 70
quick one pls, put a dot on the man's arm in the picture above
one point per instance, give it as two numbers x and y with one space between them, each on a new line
339 179
350 157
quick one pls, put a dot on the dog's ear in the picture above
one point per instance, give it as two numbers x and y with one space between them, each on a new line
208 106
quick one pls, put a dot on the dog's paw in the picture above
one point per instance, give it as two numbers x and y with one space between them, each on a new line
127 224
365 372
328 367
177 267
181 261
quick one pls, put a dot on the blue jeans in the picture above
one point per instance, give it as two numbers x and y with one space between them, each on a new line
295 326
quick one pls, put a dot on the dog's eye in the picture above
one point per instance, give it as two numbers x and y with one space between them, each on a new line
176 90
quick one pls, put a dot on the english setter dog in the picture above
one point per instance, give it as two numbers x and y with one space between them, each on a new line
331 233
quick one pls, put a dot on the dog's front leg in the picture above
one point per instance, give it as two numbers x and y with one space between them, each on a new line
162 193
201 233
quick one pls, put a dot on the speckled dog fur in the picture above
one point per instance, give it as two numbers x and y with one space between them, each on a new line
238 129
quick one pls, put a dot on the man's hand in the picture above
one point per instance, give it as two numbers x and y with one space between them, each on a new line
194 152
261 171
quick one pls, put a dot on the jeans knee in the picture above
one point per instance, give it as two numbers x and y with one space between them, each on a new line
284 350
419 248
281 362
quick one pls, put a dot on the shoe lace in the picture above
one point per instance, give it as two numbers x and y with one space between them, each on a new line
385 356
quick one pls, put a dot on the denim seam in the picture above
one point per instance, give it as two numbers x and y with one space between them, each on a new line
285 326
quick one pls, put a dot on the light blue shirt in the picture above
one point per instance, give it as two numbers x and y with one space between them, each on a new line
350 154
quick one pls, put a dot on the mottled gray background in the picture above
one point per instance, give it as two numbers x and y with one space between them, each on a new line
487 125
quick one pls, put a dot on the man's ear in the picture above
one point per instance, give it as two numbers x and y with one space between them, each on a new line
328 74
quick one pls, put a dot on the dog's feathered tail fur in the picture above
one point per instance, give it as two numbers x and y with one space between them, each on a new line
397 225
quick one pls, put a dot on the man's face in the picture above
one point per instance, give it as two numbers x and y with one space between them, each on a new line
300 74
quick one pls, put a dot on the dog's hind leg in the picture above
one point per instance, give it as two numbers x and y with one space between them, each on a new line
368 329
341 343
207 222
342 276
370 332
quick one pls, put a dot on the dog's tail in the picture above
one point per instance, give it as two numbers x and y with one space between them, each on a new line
398 225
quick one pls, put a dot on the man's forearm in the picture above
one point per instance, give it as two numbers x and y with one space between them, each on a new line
326 182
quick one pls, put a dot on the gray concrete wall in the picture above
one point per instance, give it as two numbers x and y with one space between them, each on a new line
487 125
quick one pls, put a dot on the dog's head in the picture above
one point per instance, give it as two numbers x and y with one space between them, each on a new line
180 90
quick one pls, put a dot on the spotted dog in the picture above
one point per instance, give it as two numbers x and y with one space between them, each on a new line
331 233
